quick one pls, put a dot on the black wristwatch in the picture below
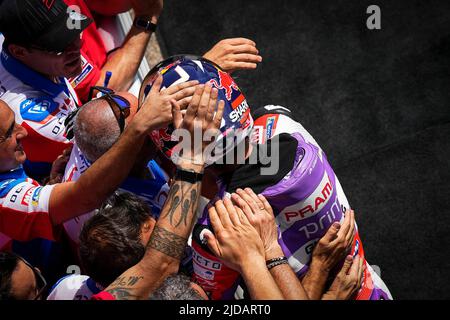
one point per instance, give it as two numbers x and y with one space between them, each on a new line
144 23
188 176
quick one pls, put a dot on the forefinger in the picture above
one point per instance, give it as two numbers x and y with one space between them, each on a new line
255 198
223 214
193 106
204 102
239 41
351 229
354 269
219 114
242 204
232 213
212 105
345 225
156 85
174 89
249 200
245 49
214 219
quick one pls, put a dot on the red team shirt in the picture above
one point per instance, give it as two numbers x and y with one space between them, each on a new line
41 107
93 54
23 209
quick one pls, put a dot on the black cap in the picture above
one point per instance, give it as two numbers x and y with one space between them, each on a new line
47 24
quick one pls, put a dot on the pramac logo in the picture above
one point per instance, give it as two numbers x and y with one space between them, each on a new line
310 206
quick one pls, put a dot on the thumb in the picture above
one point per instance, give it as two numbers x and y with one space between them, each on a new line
211 241
356 266
176 114
156 85
332 231
347 264
68 151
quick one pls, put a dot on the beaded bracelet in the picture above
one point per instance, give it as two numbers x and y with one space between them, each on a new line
276 262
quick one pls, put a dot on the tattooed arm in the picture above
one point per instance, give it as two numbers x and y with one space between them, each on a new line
166 245
169 237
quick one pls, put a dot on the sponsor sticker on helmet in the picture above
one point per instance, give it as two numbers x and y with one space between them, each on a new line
225 83
240 111
270 127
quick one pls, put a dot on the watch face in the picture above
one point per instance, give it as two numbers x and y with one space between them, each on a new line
145 24
142 23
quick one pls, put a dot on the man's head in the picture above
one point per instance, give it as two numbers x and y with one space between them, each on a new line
237 122
96 128
179 287
18 279
44 35
11 134
115 238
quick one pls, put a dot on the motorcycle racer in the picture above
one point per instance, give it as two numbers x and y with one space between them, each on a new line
304 192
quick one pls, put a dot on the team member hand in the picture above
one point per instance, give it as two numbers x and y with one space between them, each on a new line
156 110
234 241
59 167
148 8
234 54
200 118
260 215
335 244
348 281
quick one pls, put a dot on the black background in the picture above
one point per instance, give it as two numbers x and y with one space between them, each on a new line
377 101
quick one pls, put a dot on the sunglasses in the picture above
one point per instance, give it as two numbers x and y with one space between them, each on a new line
41 283
51 52
119 105
48 51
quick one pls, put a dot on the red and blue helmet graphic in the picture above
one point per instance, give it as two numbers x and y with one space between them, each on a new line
237 120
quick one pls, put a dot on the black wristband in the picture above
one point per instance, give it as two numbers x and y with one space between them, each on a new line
276 262
144 24
188 176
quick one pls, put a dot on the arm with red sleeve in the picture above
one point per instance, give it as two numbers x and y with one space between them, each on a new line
24 213
126 60
30 211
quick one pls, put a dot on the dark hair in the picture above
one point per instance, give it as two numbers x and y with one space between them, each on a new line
8 263
110 241
176 287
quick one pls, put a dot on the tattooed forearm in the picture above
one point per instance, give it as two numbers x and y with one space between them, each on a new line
186 206
174 200
169 237
126 281
181 201
122 288
120 293
167 242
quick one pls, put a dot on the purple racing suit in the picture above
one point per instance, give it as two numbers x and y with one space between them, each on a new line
305 201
